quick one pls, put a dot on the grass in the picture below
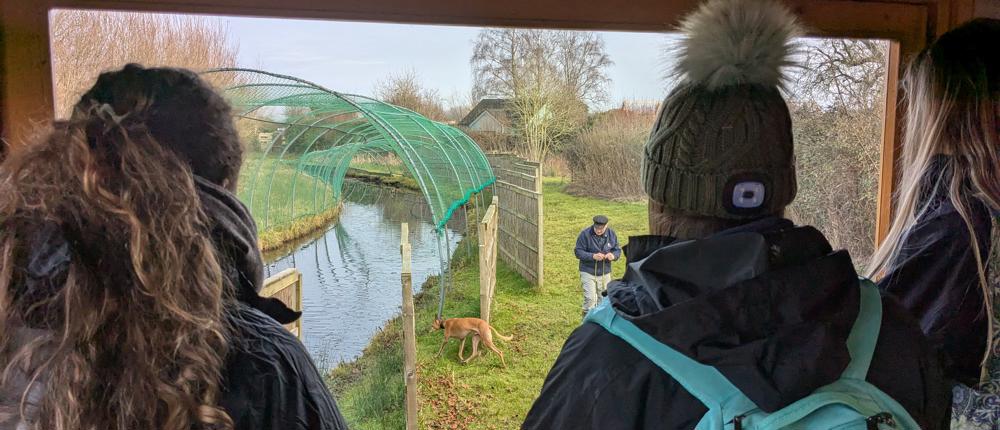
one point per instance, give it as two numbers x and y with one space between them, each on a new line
482 394
277 237
384 178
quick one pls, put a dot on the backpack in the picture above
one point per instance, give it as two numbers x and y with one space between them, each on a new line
849 403
978 408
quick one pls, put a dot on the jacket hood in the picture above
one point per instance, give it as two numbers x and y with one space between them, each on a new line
768 304
235 236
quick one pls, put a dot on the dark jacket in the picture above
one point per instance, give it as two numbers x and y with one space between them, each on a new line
768 304
589 243
936 278
269 380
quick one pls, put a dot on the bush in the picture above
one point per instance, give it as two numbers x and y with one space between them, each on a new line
606 157
837 162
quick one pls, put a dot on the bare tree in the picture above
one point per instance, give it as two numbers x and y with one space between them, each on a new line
548 75
86 43
506 60
405 90
836 102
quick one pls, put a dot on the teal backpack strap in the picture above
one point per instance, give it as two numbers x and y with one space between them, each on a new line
864 335
703 382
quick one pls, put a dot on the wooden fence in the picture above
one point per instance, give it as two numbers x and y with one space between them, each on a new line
287 287
409 330
520 241
488 259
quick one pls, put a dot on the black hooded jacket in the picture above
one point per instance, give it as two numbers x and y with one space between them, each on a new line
269 380
768 304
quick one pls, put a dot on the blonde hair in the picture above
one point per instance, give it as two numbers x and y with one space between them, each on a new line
953 103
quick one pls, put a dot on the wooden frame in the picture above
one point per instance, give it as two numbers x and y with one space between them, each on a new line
25 75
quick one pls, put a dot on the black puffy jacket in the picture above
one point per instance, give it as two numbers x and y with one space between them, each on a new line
776 332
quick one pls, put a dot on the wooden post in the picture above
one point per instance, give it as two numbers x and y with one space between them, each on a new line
541 226
409 330
891 144
487 230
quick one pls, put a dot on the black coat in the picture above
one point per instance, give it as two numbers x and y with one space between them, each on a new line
776 331
269 381
936 278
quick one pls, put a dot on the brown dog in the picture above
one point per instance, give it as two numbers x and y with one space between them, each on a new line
461 328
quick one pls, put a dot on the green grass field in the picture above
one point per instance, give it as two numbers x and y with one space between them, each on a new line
482 394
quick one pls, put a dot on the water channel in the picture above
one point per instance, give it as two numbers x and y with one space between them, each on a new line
350 272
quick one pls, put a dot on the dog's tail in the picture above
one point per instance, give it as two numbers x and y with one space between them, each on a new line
500 335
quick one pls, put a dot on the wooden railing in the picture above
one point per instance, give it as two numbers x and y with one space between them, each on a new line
287 287
488 228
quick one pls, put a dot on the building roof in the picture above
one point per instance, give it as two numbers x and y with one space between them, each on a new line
499 108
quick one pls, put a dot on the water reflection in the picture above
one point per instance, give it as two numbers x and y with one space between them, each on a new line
350 273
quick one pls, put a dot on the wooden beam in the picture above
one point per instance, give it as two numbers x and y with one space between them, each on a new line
25 71
842 18
891 144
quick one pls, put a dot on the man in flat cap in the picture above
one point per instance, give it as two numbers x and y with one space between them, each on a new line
596 248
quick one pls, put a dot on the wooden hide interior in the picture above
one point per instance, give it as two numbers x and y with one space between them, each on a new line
25 75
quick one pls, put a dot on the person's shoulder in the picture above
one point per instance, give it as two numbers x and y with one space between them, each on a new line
592 350
270 379
253 333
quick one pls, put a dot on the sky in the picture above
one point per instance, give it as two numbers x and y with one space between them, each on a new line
352 57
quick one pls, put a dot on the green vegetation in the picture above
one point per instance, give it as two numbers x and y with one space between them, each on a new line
482 394
269 193
383 176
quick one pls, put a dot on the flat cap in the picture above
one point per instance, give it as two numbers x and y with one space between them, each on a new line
600 219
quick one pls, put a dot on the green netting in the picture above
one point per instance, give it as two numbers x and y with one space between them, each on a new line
303 140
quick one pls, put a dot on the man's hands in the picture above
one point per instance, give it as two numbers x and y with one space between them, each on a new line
609 256
600 257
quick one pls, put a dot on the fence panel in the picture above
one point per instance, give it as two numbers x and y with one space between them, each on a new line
519 188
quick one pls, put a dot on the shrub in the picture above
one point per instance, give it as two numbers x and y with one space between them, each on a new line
605 158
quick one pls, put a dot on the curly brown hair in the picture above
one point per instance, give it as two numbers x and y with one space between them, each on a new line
134 333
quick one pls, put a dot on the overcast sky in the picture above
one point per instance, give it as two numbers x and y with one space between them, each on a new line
353 56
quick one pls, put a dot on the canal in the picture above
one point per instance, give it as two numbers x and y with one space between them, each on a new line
350 272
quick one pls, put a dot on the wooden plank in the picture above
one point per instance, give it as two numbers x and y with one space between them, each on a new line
409 330
282 280
517 239
517 189
891 145
287 287
527 220
25 70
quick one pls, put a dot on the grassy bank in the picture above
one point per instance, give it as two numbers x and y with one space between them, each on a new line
278 237
388 179
482 394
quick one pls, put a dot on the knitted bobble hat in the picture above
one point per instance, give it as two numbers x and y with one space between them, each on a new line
722 144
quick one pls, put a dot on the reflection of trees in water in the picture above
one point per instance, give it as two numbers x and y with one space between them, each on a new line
397 206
